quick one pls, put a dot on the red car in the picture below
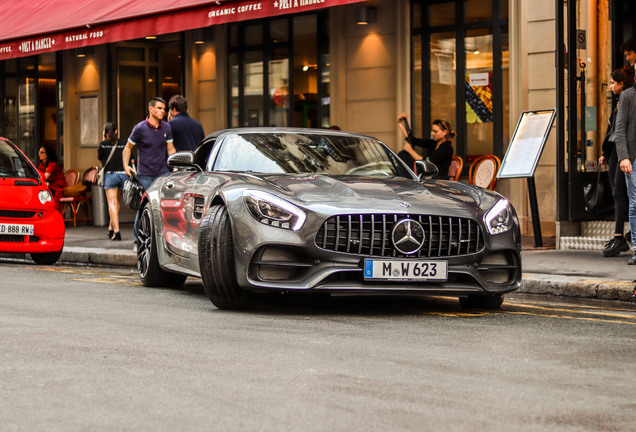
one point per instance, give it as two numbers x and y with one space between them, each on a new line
29 222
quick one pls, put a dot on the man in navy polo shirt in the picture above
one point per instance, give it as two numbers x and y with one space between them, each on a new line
186 131
153 138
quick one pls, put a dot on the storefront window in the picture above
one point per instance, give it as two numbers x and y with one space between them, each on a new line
463 75
443 103
10 102
276 76
478 87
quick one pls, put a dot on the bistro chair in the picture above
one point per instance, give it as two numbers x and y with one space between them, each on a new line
455 168
483 171
75 202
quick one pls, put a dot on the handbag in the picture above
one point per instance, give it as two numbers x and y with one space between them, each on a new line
102 172
598 195
133 192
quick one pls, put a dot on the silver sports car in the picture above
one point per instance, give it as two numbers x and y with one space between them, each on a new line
275 210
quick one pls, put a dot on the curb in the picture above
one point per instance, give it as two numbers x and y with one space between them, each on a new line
99 256
568 286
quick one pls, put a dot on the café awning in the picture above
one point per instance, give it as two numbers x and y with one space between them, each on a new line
35 27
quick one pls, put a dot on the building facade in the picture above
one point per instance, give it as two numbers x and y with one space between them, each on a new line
316 63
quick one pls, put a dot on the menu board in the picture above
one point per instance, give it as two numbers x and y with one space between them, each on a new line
527 144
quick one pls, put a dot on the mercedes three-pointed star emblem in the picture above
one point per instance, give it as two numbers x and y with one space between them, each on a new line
408 236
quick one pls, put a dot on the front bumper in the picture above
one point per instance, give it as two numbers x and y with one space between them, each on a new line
48 234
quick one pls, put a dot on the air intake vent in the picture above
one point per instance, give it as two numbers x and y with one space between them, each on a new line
370 235
16 214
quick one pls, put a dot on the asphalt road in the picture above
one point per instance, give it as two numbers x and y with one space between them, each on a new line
90 349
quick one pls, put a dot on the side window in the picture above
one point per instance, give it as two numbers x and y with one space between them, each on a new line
202 153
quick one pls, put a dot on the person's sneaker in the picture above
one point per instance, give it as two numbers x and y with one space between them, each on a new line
135 247
615 247
632 260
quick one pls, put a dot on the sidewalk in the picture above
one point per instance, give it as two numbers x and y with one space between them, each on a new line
567 273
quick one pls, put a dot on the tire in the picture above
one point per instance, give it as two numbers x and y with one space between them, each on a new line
150 272
476 301
216 262
46 258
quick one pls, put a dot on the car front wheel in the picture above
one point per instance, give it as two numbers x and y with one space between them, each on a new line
46 258
150 272
216 262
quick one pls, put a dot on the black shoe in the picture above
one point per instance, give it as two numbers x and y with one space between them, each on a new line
116 236
632 260
615 247
628 236
110 234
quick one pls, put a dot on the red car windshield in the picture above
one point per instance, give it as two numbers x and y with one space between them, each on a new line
13 164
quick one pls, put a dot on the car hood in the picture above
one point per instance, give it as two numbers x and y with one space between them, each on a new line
350 193
19 193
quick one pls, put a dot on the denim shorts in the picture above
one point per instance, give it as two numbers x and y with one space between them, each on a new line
114 180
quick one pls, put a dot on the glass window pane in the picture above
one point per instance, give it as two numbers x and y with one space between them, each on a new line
418 107
279 31
478 88
234 91
441 14
130 54
170 61
253 90
443 81
305 71
504 9
417 15
234 38
27 121
279 88
10 107
478 10
253 35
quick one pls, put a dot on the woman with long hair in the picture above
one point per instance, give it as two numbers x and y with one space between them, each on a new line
53 173
438 149
620 79
109 154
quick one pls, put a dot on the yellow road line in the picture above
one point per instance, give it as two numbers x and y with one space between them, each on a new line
583 312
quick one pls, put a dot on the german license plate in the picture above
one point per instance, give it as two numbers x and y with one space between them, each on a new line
16 229
405 270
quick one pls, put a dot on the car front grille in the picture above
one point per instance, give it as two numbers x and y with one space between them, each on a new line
16 214
370 235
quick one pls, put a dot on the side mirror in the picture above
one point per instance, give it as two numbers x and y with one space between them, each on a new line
182 159
425 169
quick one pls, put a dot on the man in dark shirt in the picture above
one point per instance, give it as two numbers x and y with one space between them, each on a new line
186 131
153 138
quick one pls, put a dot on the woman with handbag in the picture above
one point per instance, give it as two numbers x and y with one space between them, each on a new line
109 153
620 79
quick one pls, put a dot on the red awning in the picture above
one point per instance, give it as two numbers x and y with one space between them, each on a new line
30 28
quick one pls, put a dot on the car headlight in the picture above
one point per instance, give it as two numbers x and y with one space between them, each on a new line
273 211
45 196
499 218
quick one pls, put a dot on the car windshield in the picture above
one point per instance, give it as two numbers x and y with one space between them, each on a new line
14 164
297 153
